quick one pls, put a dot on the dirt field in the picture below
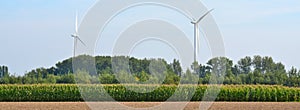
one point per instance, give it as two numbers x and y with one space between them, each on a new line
190 106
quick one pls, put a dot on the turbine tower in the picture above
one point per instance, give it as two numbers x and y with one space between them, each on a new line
196 33
76 36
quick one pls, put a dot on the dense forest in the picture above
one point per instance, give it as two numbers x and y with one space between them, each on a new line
248 70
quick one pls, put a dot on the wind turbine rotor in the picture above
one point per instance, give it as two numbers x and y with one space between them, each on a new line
196 34
76 35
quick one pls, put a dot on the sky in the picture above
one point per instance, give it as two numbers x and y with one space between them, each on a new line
36 33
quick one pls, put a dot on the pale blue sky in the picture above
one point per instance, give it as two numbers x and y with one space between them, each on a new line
36 33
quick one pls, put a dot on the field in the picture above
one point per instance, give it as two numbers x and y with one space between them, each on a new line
67 93
68 97
190 106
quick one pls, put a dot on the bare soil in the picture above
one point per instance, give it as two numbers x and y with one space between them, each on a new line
127 105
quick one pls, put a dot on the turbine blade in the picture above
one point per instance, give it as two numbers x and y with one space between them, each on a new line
81 41
190 16
204 15
76 22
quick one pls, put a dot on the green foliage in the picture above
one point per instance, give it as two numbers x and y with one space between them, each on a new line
39 93
107 78
248 70
82 77
65 79
3 71
4 75
245 65
189 78
51 79
54 93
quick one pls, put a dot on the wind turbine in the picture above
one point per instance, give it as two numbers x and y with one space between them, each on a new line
196 33
76 35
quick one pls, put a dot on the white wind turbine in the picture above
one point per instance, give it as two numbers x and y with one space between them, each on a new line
76 35
196 33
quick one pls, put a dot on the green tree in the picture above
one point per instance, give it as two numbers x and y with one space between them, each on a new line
189 78
267 64
82 77
50 79
258 63
143 77
107 78
293 78
220 67
245 65
66 79
4 75
177 67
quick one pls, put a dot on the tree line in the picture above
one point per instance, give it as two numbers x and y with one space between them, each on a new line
248 70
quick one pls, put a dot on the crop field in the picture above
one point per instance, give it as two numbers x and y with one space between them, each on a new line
189 106
71 93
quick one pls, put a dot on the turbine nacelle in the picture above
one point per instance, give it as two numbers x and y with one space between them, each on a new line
74 35
194 22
